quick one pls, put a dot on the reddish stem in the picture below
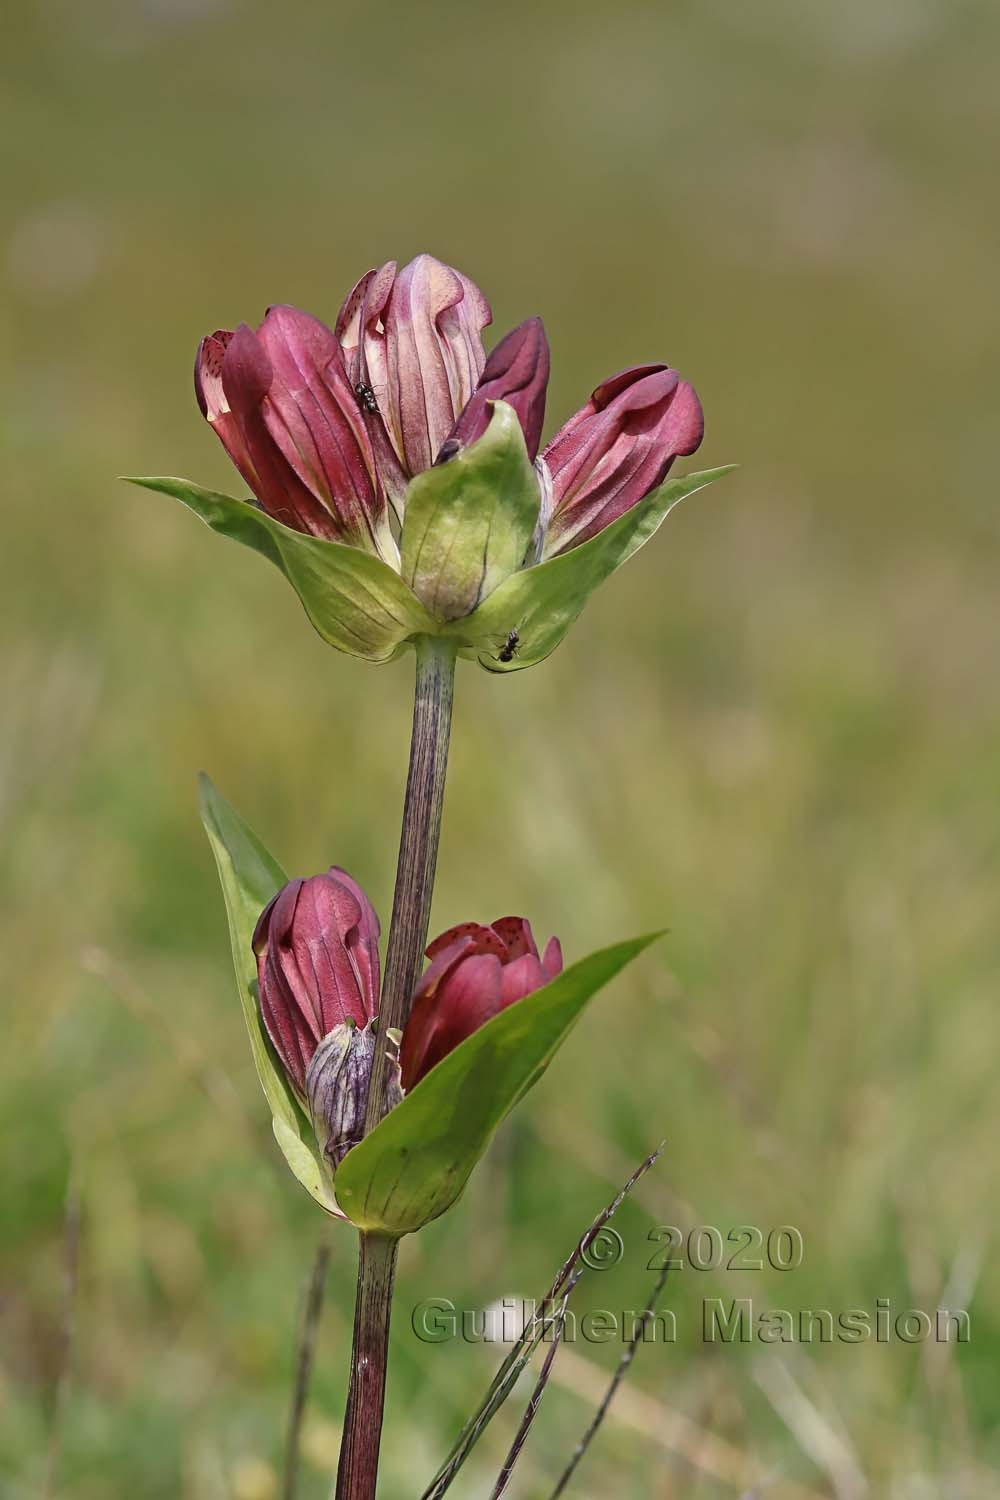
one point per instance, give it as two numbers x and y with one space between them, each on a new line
411 908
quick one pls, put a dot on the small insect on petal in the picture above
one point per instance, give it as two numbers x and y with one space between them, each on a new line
366 396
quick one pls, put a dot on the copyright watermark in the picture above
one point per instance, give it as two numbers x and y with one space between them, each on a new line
718 1320
734 1320
439 1321
705 1247
603 1250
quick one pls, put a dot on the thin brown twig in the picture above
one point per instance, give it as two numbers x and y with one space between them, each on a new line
621 1371
311 1312
505 1378
607 1213
531 1410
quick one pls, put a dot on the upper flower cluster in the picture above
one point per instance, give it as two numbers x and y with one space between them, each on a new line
329 428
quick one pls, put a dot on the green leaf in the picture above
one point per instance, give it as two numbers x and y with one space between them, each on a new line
542 602
250 876
469 522
415 1163
354 599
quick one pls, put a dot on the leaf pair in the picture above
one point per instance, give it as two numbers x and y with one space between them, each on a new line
415 1163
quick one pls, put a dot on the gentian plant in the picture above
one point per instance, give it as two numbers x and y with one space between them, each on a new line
397 479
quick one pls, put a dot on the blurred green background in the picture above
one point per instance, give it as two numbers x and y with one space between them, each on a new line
776 733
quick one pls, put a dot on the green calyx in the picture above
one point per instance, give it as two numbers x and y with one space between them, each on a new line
469 522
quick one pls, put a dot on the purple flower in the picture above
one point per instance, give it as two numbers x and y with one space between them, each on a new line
616 450
413 340
329 428
475 972
284 409
316 945
317 965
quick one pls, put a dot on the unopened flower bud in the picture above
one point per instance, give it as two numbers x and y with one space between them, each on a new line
616 450
474 973
284 409
337 1084
317 964
517 372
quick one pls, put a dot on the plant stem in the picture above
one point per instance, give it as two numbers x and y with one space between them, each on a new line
411 909
418 847
359 1447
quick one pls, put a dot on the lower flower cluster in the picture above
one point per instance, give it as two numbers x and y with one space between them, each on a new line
316 945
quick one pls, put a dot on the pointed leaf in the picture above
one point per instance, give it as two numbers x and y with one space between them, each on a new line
298 1148
415 1163
353 598
250 876
469 521
542 602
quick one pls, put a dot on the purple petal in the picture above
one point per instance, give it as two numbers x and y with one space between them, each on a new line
617 449
552 958
517 372
445 1015
317 964
360 328
521 977
312 413
516 936
290 1025
362 942
246 379
434 356
215 407
474 937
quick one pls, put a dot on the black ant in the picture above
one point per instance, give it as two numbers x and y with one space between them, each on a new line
508 650
366 396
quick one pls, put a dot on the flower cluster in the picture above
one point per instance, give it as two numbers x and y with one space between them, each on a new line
401 484
329 427
318 972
